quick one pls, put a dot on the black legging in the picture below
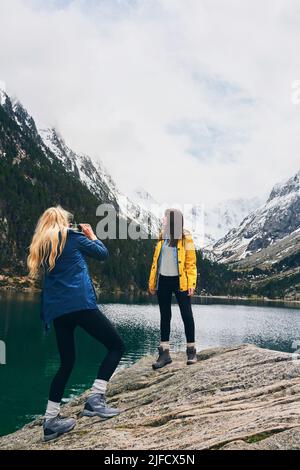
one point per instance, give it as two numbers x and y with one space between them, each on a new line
166 286
97 325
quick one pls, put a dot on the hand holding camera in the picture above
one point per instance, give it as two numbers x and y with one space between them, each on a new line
86 229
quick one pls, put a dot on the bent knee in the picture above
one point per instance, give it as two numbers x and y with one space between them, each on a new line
121 346
118 346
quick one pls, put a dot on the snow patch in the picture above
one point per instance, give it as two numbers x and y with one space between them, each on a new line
3 95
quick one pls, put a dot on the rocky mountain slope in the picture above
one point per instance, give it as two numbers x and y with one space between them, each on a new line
96 177
273 254
240 397
93 175
278 220
213 221
38 170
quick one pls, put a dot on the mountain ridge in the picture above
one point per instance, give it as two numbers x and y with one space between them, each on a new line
273 221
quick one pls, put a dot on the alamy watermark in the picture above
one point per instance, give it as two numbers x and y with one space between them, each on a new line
2 352
132 221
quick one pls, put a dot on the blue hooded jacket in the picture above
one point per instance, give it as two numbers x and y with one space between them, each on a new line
68 286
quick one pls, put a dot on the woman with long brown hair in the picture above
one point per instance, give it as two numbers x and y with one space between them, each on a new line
69 300
174 270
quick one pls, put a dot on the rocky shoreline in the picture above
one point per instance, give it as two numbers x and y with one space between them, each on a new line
241 397
17 284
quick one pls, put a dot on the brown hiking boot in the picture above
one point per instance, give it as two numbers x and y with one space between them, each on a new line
191 355
163 359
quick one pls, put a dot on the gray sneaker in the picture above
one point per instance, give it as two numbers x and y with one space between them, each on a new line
55 427
95 405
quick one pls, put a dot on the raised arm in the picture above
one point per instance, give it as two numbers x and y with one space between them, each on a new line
89 244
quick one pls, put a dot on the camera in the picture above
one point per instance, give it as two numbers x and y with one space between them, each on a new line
75 227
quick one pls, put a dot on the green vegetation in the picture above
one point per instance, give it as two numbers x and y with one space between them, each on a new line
214 278
275 282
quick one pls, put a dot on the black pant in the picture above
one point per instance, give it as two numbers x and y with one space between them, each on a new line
166 286
97 325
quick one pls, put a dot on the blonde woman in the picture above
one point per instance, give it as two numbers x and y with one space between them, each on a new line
174 270
69 300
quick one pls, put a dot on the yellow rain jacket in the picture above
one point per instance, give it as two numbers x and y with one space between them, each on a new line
186 259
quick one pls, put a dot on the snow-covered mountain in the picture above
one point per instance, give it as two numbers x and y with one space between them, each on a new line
275 220
91 173
211 222
143 197
222 217
96 177
207 223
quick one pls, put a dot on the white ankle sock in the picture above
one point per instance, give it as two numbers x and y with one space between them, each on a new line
99 386
52 410
190 345
165 345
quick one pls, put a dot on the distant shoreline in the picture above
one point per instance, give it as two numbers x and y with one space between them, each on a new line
18 288
240 299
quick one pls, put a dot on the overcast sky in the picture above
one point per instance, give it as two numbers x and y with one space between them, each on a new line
190 99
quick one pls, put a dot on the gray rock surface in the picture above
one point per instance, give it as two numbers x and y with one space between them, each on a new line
241 397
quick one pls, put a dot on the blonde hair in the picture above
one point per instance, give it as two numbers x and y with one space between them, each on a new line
48 240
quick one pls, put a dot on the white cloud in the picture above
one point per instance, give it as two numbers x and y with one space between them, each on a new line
190 99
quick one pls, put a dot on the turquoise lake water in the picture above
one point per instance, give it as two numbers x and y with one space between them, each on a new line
32 358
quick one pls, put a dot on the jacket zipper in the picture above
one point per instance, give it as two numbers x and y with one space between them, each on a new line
178 265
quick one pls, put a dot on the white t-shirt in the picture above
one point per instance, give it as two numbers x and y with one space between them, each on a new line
168 265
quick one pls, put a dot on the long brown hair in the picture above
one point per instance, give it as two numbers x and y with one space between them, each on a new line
173 230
